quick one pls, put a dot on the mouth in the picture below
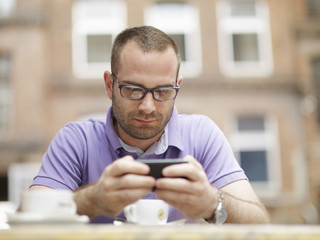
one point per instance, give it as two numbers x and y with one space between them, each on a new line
143 121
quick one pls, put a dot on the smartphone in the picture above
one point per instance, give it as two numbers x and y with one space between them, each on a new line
156 165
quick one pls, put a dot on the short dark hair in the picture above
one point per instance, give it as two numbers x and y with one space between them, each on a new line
147 38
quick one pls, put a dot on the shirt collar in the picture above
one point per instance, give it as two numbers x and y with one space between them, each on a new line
174 137
157 148
110 132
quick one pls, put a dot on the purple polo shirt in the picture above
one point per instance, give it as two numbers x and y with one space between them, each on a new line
80 151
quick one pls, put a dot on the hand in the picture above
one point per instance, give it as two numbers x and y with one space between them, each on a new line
121 183
186 187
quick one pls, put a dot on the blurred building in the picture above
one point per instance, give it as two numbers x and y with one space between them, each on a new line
253 66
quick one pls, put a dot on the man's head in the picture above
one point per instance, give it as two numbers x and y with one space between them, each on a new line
142 58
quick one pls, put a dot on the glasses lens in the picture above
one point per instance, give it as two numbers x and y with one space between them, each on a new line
164 94
132 92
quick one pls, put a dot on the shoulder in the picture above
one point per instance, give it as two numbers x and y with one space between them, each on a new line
199 128
196 120
88 128
88 125
77 136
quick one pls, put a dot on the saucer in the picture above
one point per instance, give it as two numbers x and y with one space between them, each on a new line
38 218
119 222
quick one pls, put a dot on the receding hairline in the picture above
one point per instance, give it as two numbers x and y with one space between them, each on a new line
131 48
147 38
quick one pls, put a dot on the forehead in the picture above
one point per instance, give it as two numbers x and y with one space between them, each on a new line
134 60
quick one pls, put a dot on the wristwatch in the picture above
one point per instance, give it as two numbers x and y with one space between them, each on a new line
220 214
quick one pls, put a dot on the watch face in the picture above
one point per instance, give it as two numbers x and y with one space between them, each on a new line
220 214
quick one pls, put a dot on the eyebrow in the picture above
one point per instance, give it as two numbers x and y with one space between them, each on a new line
126 82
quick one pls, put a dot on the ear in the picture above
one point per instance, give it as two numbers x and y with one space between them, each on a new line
179 82
108 81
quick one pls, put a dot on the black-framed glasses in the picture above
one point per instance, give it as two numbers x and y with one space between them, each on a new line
133 92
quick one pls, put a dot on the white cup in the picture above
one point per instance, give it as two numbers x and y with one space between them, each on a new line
48 202
147 212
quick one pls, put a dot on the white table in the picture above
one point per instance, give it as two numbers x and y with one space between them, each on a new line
181 232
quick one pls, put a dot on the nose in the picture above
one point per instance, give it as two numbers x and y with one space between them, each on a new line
147 104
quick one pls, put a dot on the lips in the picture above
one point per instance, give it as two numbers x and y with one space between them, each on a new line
143 121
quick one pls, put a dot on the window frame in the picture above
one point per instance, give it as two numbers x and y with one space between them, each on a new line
266 140
83 25
228 25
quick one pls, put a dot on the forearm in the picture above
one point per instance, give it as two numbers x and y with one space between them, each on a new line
85 204
245 211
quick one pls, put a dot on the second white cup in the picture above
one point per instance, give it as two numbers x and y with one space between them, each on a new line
147 212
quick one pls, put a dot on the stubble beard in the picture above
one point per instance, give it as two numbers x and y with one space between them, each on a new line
126 121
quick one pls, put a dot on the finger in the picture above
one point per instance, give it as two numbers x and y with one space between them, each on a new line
180 185
175 198
174 184
189 171
183 202
117 200
193 161
126 165
128 196
131 181
190 204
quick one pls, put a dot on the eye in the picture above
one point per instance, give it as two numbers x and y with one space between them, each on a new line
164 93
133 92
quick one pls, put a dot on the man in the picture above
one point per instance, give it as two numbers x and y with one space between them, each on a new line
96 159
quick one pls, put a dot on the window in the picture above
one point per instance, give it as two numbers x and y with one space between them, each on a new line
95 24
6 7
313 7
316 77
181 22
5 94
245 47
244 39
256 147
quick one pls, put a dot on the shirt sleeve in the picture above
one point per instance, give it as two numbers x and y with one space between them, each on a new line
63 162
